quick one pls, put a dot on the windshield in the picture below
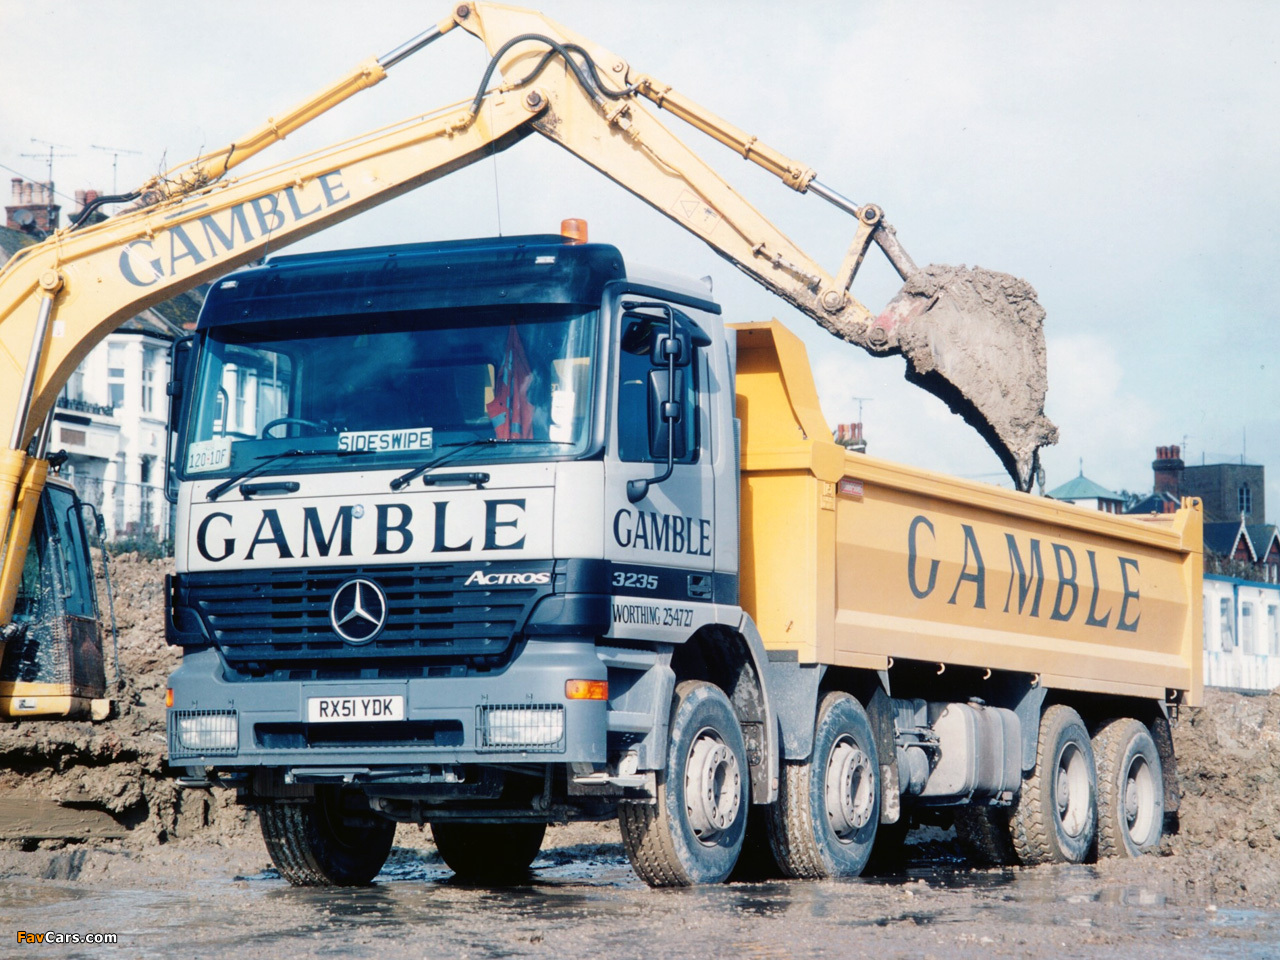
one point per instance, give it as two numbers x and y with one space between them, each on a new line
392 390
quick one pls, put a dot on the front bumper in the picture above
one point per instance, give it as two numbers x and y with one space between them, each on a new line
515 715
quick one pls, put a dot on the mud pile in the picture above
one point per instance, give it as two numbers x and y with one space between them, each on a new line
118 765
1229 768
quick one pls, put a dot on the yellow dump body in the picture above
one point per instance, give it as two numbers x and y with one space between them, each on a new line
853 561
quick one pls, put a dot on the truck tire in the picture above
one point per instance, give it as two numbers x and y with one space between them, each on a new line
1054 819
824 822
1130 789
694 832
983 835
324 842
488 852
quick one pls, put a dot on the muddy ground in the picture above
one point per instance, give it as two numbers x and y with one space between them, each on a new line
191 877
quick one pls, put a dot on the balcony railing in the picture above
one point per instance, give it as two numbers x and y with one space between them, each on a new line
84 406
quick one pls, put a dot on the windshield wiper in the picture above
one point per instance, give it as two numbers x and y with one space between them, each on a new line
406 478
262 463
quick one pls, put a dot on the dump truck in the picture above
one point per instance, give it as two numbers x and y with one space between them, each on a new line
466 533
490 534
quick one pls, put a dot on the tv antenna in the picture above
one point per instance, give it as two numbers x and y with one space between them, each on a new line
115 162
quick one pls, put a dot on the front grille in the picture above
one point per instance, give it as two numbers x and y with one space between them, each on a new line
279 619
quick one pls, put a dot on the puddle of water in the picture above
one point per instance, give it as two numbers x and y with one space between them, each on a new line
584 901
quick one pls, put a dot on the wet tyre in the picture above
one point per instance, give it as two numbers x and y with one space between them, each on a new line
983 835
329 841
1130 790
694 832
1054 819
488 852
824 822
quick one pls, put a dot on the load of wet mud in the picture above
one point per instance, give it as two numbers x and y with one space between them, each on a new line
975 339
1224 849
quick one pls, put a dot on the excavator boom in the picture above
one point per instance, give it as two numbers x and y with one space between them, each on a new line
972 337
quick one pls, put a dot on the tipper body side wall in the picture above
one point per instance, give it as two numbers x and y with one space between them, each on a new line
853 561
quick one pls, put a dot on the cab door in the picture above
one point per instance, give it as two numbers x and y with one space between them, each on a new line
662 540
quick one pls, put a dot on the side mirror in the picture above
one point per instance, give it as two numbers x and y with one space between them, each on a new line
179 362
665 413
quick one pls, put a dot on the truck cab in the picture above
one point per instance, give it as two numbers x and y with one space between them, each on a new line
445 511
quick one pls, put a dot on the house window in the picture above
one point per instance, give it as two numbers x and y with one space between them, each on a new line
115 375
1245 498
1246 628
1226 624
1273 628
148 379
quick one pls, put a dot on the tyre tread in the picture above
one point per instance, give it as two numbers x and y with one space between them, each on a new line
1108 750
648 844
297 847
1032 830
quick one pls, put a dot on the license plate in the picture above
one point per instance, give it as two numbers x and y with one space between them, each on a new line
354 709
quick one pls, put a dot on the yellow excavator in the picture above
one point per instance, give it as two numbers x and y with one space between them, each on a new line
974 338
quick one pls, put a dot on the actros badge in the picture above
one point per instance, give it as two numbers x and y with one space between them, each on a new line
358 610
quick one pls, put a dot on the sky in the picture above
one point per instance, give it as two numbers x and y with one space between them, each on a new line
1123 157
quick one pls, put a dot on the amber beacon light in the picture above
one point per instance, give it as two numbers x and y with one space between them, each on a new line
574 230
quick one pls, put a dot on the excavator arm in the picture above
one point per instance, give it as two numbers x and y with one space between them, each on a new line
61 297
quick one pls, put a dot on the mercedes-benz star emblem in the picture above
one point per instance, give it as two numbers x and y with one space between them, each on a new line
358 610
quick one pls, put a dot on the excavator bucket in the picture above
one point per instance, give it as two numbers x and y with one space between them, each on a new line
975 339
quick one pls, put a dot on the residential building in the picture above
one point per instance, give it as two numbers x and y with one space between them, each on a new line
1241 633
1083 492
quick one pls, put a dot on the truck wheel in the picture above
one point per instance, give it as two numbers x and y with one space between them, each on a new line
1054 819
983 835
694 832
327 841
488 852
824 823
1130 790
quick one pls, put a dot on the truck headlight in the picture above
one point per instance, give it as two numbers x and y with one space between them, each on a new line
520 725
202 732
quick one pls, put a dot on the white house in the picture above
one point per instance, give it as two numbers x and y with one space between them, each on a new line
1241 633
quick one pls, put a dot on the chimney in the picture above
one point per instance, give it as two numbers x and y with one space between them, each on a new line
1167 468
34 209
849 436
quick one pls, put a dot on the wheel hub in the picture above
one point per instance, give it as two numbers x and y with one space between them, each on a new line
712 787
1140 800
1071 790
850 786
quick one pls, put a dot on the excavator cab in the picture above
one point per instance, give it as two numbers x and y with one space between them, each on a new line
53 663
